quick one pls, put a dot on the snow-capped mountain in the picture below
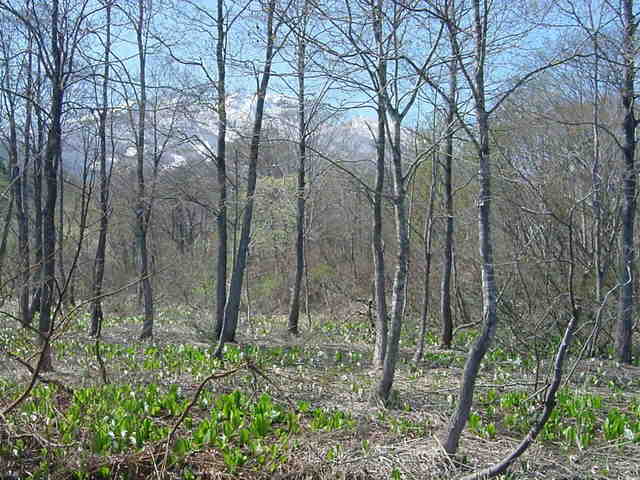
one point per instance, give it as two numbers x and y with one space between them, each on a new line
183 132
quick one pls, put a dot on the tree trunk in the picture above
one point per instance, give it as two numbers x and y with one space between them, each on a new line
428 235
380 347
51 159
3 240
596 180
18 185
26 313
23 240
489 293
624 326
294 308
221 164
97 316
143 209
383 389
60 230
235 291
38 220
447 262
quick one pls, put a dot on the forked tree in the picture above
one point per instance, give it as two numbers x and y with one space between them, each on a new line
232 306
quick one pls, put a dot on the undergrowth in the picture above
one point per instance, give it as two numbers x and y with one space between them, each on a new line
300 402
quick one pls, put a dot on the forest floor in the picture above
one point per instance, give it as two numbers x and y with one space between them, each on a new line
297 407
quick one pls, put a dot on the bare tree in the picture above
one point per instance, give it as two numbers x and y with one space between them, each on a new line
447 164
311 114
301 61
624 330
57 46
232 306
140 19
143 209
221 169
399 99
97 316
428 243
476 80
362 26
19 153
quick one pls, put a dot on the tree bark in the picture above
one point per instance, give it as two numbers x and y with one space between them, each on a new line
380 346
623 340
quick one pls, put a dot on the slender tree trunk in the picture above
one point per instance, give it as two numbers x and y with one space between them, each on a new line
38 219
143 208
3 240
21 200
221 163
596 182
428 235
396 115
97 316
447 262
235 291
624 326
383 389
489 292
596 179
294 308
18 183
380 347
23 239
60 230
51 159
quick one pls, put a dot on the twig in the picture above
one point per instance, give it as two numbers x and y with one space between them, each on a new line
35 374
252 367
52 381
213 376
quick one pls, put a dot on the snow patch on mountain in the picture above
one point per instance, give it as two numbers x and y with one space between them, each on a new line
189 132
